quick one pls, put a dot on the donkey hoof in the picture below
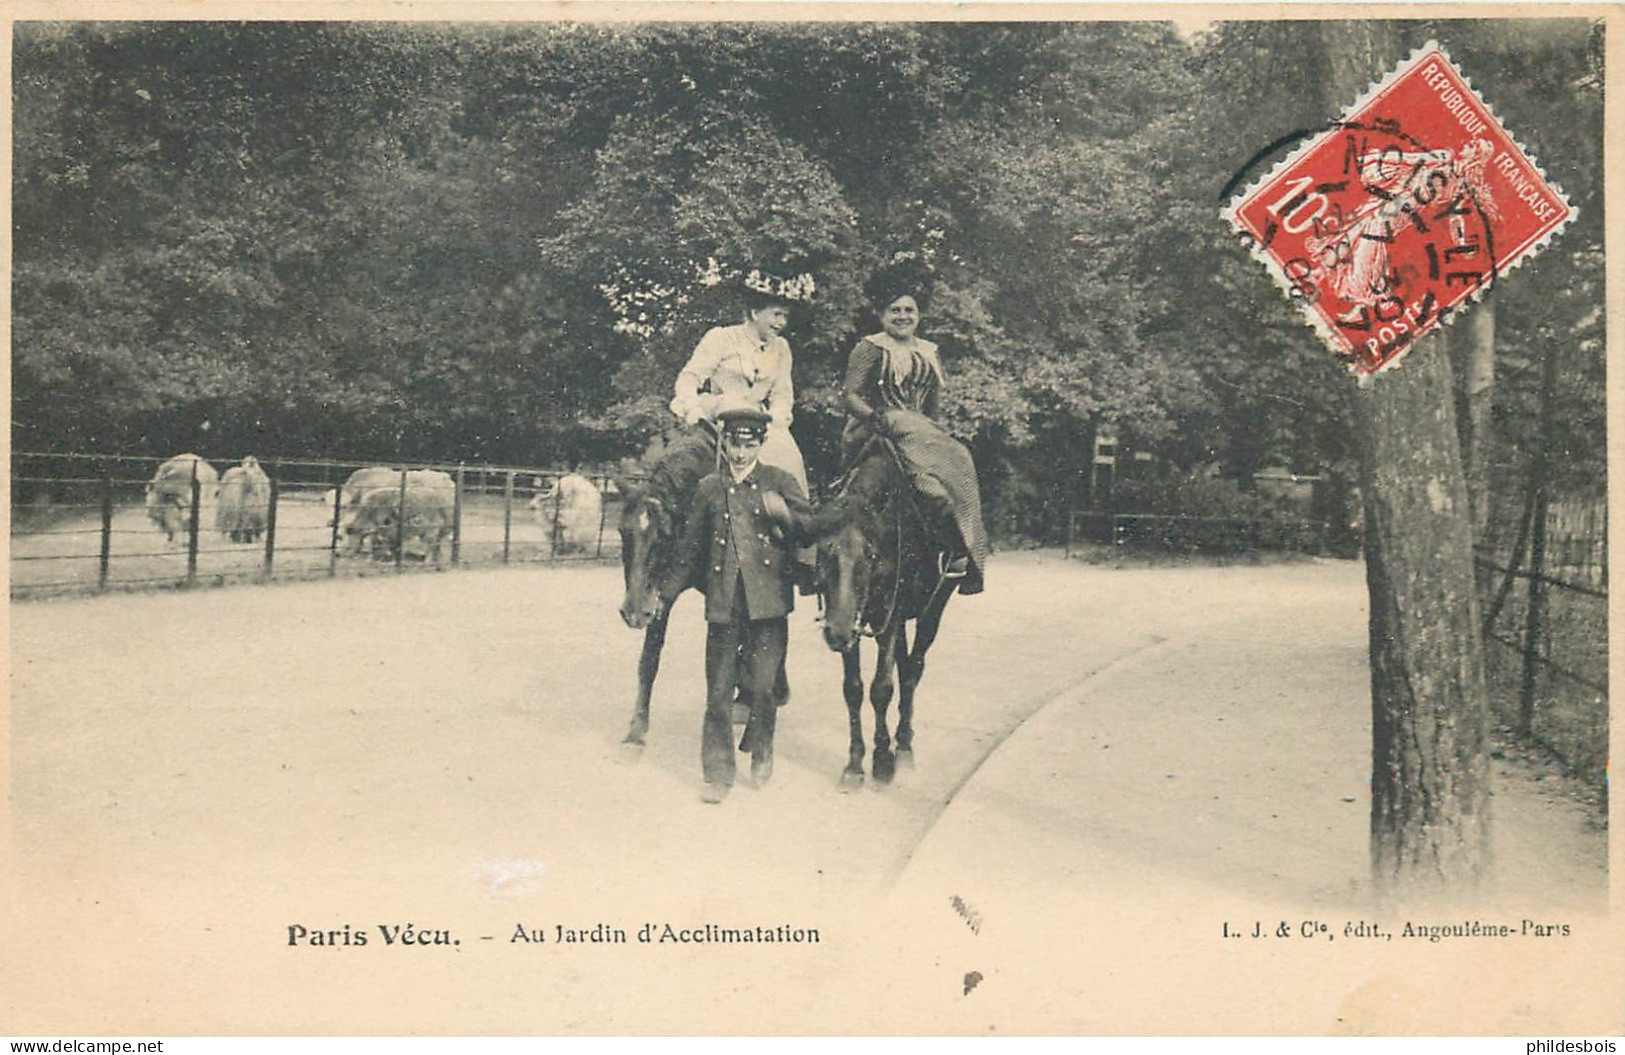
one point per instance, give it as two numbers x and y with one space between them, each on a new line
905 758
851 780
885 768
630 752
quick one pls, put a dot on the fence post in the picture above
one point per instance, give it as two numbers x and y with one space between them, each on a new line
507 513
333 544
457 516
554 531
400 522
603 513
192 527
1534 617
1537 540
270 528
107 532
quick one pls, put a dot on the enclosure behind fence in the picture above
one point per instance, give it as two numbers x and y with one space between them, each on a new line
1542 575
84 523
1543 592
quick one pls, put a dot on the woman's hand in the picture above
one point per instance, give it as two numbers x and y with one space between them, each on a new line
701 408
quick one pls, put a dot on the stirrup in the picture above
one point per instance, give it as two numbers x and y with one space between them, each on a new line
957 568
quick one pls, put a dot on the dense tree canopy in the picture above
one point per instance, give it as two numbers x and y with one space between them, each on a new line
498 243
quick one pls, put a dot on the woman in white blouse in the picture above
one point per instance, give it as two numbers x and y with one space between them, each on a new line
747 361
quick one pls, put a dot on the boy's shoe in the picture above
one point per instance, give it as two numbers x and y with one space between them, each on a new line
761 770
714 793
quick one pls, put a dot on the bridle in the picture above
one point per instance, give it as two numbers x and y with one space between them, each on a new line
668 522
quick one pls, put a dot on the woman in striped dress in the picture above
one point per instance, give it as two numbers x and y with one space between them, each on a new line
893 387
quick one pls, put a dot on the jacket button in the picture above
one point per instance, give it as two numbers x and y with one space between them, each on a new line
716 567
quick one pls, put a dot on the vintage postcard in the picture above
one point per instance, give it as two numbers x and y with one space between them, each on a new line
810 519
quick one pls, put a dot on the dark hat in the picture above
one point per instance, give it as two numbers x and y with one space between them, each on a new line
739 416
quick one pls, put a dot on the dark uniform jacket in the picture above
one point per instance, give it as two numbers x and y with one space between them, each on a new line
729 539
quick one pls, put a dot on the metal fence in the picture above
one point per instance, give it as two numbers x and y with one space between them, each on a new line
80 523
1195 534
1543 594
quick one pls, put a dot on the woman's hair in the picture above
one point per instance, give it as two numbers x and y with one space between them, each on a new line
908 276
754 300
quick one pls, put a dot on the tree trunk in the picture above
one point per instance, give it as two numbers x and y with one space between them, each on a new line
1429 717
1472 350
1429 781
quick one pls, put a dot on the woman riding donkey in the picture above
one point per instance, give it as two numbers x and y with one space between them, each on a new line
750 362
892 392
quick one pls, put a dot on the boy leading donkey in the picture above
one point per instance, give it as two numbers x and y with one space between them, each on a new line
738 547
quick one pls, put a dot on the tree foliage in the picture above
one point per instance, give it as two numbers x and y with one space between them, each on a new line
499 242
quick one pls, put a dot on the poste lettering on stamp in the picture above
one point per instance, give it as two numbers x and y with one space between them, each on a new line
1399 213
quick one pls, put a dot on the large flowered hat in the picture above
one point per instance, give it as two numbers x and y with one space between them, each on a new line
778 287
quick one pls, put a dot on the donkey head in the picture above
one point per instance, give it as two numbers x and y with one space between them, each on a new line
648 543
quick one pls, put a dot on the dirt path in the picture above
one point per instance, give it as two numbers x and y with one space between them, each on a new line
195 773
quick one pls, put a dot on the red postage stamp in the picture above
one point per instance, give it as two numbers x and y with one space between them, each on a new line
1401 212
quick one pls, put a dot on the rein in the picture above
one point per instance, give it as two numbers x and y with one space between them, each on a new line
866 629
896 591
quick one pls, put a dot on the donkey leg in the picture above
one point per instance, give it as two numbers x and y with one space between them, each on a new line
911 668
780 695
852 690
907 678
654 640
881 689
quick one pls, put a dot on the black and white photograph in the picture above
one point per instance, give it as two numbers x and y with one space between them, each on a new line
811 520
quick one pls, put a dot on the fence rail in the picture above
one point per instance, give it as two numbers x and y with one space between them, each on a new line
83 523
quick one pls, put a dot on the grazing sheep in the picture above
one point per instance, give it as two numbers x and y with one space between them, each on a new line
244 502
169 494
358 486
571 513
427 507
